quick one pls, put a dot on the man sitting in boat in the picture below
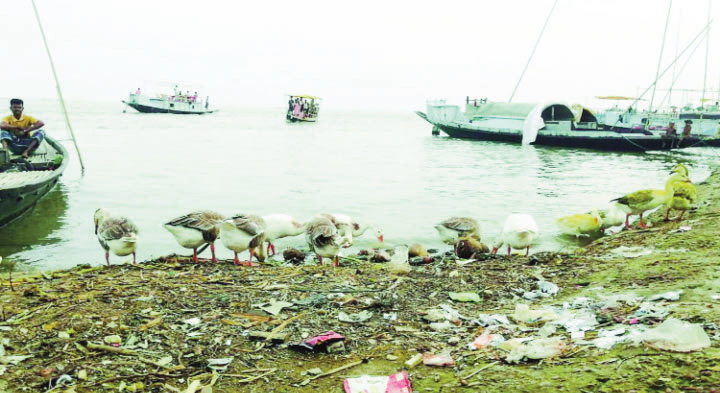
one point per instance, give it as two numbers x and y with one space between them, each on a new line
21 134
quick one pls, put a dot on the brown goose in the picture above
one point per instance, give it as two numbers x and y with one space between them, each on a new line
324 239
195 229
244 232
116 234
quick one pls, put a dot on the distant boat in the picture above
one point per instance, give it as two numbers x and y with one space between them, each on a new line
24 182
303 108
178 103
551 124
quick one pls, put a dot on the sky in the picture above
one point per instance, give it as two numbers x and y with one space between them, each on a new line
376 55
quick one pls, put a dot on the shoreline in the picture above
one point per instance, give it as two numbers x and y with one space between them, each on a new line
172 317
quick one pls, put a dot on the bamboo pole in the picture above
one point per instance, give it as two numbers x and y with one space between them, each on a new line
57 86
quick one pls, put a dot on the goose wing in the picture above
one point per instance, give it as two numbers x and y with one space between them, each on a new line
252 225
461 224
115 228
202 220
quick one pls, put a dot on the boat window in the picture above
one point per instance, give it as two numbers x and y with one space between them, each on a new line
557 113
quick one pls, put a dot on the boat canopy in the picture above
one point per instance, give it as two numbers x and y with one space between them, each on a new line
304 96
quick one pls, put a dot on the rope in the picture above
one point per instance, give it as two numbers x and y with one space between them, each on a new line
57 86
533 52
662 49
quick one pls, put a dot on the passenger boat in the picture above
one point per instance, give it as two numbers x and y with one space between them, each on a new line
549 124
177 103
24 181
303 108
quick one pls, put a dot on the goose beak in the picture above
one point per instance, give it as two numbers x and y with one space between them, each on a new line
381 238
494 250
96 228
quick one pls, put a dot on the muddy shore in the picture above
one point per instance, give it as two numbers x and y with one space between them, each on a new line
156 326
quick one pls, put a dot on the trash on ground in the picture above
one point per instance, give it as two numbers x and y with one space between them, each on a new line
219 364
523 314
355 318
318 342
414 361
399 261
684 228
464 297
395 383
273 307
540 348
632 252
670 295
677 336
486 340
488 320
442 360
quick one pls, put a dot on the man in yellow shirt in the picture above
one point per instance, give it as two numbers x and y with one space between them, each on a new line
20 134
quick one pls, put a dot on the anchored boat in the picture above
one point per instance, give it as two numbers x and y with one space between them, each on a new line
177 103
24 181
550 124
303 108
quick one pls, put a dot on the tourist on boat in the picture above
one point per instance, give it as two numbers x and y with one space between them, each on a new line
291 105
20 134
687 129
670 135
138 91
296 108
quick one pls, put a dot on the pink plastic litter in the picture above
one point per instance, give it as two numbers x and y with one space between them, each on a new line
395 383
318 341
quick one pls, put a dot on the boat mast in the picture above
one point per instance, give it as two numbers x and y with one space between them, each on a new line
57 86
657 73
533 52
707 49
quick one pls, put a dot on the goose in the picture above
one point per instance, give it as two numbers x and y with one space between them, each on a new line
116 234
519 231
278 226
469 247
195 229
611 217
684 195
641 201
324 239
344 225
358 230
454 228
580 224
244 232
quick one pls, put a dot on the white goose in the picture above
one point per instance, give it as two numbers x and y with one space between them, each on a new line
454 228
358 230
116 234
195 229
611 217
580 224
519 231
324 239
278 226
244 232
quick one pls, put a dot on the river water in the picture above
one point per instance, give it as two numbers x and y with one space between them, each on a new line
381 168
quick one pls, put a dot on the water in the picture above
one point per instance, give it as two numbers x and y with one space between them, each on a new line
382 168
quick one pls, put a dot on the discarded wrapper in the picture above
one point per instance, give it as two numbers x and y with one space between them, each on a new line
395 383
441 360
318 342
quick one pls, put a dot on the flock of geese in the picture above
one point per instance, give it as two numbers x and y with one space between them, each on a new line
327 234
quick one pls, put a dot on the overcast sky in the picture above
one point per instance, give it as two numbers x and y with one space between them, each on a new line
369 54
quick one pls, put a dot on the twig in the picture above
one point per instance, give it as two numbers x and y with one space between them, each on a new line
485 367
131 376
249 379
106 348
333 371
280 327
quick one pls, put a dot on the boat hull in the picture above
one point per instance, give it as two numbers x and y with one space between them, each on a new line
151 109
18 200
294 119
625 142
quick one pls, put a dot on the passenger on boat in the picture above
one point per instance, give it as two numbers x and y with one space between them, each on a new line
138 91
296 108
20 134
291 105
687 129
670 135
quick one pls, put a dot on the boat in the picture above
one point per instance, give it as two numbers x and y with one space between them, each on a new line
303 108
23 182
177 103
547 124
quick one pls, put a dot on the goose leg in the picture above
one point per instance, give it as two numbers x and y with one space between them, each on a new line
681 215
107 258
627 222
236 260
134 260
642 223
527 252
320 260
194 258
271 247
212 250
667 215
508 250
336 261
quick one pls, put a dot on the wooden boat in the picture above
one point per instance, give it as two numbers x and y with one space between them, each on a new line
177 103
309 112
551 124
24 182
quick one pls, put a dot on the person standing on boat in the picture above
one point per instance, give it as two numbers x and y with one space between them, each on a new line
20 134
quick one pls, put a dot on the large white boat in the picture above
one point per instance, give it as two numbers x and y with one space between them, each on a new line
178 102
